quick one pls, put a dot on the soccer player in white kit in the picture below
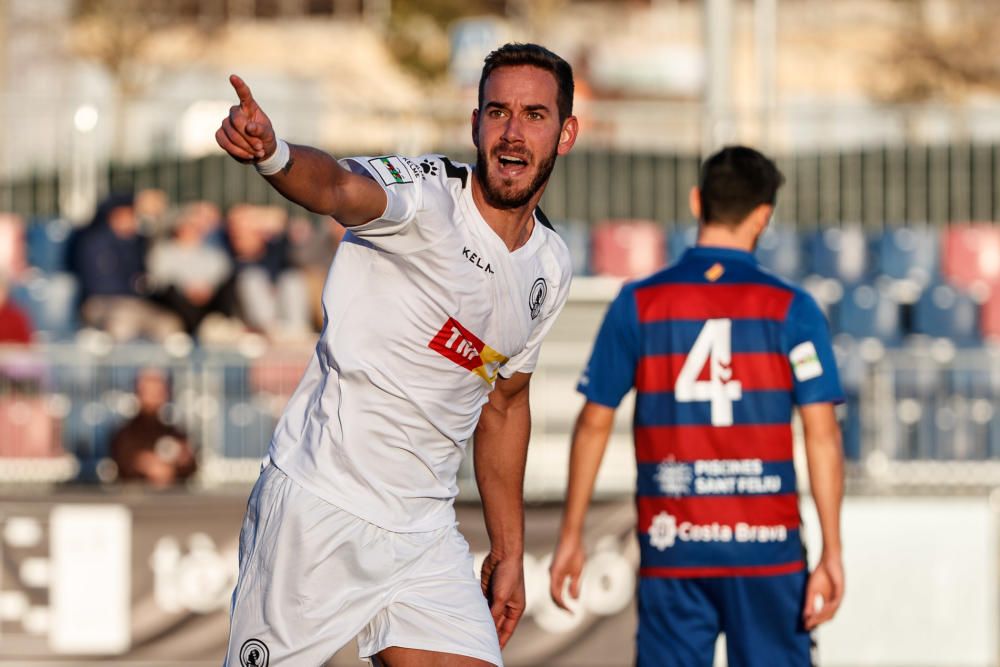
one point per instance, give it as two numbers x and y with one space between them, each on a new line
435 308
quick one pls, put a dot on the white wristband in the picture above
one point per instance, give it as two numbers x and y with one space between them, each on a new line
277 160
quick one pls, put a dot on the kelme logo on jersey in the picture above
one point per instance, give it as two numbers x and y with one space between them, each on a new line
537 297
254 653
664 532
457 343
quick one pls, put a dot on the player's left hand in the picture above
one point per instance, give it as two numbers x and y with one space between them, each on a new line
824 591
503 585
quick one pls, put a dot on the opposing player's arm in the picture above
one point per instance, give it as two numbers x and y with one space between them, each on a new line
310 177
500 452
825 458
590 439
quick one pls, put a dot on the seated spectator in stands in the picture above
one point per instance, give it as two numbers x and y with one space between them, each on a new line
15 325
109 260
189 275
146 448
312 249
271 291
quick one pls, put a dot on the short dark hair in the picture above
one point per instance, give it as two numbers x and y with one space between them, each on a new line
735 181
515 54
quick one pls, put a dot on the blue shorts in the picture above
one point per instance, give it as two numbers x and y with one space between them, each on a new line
680 620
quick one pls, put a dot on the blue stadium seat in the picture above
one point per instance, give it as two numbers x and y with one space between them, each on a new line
50 302
907 253
679 239
840 253
944 312
47 244
866 312
780 251
576 235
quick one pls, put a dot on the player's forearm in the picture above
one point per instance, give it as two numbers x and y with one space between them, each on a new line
500 453
315 180
590 439
826 478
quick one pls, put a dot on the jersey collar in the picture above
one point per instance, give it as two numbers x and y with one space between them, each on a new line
716 253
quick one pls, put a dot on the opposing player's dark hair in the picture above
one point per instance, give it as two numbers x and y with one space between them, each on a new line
735 181
514 54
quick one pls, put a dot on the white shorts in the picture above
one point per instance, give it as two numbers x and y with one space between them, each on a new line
313 576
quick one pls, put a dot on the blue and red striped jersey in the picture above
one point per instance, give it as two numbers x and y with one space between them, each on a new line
720 352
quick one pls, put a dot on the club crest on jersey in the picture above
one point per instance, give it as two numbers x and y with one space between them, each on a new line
715 272
537 297
254 653
391 169
461 346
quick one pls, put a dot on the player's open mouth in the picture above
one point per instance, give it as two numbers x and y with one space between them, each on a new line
511 165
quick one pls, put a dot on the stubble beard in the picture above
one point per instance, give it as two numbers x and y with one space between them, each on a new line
497 192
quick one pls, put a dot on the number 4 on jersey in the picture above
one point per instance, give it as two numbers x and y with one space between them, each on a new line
714 347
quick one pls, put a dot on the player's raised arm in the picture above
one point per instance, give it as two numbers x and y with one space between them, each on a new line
305 175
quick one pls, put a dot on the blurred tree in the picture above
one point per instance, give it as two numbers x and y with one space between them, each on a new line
116 33
944 49
418 31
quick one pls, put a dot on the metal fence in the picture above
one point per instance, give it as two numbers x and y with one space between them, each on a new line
912 418
875 187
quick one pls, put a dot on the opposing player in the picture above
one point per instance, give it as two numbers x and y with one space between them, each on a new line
720 352
435 307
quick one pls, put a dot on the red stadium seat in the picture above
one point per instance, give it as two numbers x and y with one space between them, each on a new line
627 248
989 317
29 429
970 257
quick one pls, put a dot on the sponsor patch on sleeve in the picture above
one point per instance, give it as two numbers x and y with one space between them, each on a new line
805 362
391 169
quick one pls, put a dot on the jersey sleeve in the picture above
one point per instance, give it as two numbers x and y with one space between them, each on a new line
610 372
526 360
815 378
395 230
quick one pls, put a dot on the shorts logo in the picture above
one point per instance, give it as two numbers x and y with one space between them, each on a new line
254 653
391 170
460 345
537 297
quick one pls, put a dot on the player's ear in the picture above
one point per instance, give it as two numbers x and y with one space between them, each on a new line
568 134
694 201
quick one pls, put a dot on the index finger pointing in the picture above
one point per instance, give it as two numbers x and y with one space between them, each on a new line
242 91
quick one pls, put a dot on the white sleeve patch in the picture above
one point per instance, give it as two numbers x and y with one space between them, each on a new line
391 170
805 362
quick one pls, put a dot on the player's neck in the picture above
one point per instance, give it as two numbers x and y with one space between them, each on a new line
724 236
512 225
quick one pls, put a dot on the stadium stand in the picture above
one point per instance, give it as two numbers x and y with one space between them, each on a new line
915 311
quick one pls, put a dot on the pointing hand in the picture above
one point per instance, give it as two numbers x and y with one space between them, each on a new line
246 134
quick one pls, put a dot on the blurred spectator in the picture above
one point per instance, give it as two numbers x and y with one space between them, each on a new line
271 291
109 260
312 250
151 207
189 275
146 447
15 326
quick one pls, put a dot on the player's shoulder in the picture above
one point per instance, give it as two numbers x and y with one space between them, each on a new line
436 170
801 302
554 246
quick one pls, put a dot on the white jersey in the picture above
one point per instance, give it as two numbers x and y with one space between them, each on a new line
423 308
